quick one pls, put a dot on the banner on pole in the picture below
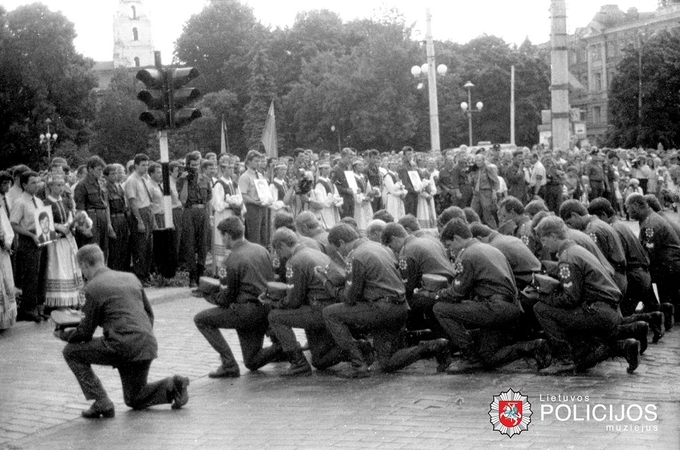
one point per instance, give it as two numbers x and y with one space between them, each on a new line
224 141
269 133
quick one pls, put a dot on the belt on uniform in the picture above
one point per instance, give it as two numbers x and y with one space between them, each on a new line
394 300
197 205
117 215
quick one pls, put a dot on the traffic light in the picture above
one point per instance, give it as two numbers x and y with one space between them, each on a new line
155 97
180 97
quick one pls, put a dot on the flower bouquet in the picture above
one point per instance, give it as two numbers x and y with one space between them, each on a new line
82 223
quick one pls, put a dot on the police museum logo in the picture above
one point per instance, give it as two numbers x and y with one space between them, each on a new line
510 413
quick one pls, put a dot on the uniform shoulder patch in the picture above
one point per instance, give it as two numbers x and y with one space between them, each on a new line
649 233
276 262
222 272
593 236
403 265
525 239
458 268
289 272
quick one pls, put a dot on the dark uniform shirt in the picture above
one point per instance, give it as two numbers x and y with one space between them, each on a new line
116 198
481 271
306 287
585 241
199 189
525 232
245 273
420 256
583 280
89 194
371 274
608 241
522 262
636 256
662 245
116 301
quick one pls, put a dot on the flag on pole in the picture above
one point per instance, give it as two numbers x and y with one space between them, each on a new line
269 134
224 148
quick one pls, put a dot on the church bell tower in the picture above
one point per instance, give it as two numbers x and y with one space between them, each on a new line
132 42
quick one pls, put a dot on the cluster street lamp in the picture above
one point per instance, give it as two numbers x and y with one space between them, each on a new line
48 138
467 108
335 129
428 69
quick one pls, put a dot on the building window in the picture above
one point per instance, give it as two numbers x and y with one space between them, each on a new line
597 114
597 81
133 11
135 34
136 61
596 52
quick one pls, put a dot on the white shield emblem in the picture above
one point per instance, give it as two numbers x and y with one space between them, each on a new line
289 273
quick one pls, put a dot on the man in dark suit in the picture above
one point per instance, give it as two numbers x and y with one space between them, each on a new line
116 301
411 199
340 181
46 235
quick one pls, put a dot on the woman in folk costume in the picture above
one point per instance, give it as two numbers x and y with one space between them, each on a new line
8 304
324 200
427 217
64 279
363 211
226 202
394 190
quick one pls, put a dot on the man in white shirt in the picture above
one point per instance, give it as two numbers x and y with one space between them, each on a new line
537 178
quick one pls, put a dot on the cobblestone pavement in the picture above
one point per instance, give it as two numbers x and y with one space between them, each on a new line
40 401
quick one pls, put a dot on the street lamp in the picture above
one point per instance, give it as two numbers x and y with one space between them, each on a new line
465 105
333 129
428 69
48 138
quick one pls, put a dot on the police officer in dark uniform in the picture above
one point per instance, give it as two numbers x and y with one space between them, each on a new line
373 301
637 272
582 313
302 307
482 296
195 193
119 241
514 221
663 248
339 179
90 197
244 277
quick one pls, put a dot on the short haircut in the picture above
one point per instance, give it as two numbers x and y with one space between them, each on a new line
410 223
90 255
350 221
172 165
512 204
479 230
536 219
452 212
471 215
297 152
232 226
307 219
207 163
140 158
375 225
252 154
601 207
43 215
95 161
391 231
653 202
192 157
534 207
342 232
5 176
551 225
59 160
383 215
109 170
25 176
18 170
572 206
284 236
153 167
637 200
210 154
282 219
455 227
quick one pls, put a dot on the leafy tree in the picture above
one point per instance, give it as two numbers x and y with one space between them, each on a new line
261 92
657 120
42 77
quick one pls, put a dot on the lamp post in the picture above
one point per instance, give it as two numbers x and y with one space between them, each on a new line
428 69
48 138
334 129
467 108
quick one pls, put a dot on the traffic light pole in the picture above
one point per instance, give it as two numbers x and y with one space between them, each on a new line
165 165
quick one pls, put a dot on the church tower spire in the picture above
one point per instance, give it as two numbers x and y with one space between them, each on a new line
132 42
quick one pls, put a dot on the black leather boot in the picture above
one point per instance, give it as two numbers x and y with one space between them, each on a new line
299 366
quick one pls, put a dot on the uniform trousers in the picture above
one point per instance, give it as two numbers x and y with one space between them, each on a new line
250 322
411 203
142 243
255 219
347 208
177 222
138 394
100 229
668 287
582 327
485 207
324 350
639 289
195 229
381 319
488 315
552 195
119 256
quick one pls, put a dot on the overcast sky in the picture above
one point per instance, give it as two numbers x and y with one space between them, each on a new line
458 21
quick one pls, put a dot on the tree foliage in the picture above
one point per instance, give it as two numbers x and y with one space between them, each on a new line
42 77
658 82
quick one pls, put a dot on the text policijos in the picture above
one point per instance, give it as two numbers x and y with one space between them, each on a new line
579 409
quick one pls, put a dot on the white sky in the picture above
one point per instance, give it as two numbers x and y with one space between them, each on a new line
455 20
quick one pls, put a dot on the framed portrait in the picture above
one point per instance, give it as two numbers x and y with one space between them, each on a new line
263 191
351 181
44 225
414 176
